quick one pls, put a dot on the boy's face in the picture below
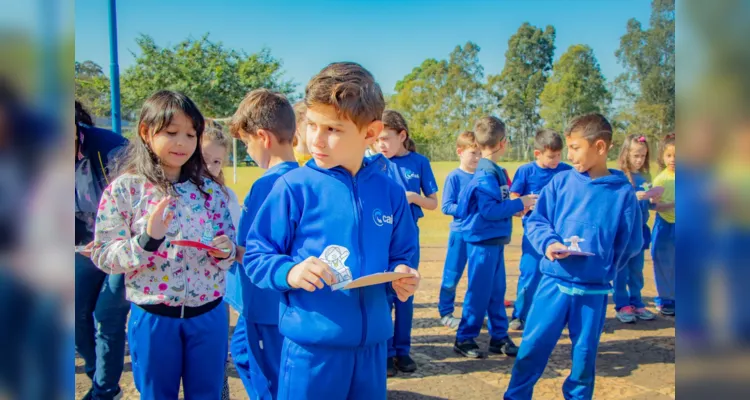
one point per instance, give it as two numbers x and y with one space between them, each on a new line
584 155
335 141
469 157
389 142
548 158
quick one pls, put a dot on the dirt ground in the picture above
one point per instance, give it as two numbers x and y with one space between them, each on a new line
635 361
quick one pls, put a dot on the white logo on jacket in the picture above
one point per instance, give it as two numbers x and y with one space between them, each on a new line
380 219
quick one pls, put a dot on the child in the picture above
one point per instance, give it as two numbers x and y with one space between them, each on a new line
413 172
177 328
663 238
455 260
634 162
487 211
339 215
301 152
531 178
215 148
599 206
265 121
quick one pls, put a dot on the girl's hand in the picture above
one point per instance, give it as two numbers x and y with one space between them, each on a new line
411 197
405 287
640 195
86 252
158 224
224 244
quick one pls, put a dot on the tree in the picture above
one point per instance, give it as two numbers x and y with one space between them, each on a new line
441 98
92 88
214 77
648 83
528 63
575 87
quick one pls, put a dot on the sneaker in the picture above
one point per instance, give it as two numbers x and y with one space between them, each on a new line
405 364
626 315
468 348
666 309
503 346
450 321
508 303
644 314
390 366
516 325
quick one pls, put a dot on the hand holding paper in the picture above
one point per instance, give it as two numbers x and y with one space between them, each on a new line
406 287
224 246
553 251
310 275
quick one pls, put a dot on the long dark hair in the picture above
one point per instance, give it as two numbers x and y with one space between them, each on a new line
156 114
82 115
624 158
394 120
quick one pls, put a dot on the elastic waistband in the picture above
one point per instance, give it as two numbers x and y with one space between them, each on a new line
180 311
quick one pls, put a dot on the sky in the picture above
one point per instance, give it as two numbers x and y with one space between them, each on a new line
387 37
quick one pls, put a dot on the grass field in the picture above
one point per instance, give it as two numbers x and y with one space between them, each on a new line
434 225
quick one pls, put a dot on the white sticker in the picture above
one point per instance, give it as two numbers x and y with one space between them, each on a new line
335 256
574 240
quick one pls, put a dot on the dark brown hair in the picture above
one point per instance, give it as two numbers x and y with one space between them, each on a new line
489 131
624 158
593 127
395 121
156 114
666 141
466 140
351 89
267 110
547 139
82 115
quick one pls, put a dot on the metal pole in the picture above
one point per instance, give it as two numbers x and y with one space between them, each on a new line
114 68
234 158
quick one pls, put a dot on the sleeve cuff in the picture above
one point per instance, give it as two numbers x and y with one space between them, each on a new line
148 243
280 277
519 205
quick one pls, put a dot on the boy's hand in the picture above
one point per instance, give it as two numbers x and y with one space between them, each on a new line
158 223
405 287
310 275
550 253
529 201
411 197
224 244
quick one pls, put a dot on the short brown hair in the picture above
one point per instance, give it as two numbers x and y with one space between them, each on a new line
593 127
351 89
547 139
264 109
489 131
465 140
394 120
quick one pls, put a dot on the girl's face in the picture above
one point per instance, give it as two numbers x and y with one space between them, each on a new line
390 142
637 155
173 145
669 157
214 154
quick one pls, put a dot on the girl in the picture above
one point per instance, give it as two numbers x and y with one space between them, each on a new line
215 149
663 238
412 170
301 152
177 329
634 162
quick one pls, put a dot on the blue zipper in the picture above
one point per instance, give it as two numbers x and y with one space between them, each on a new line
358 206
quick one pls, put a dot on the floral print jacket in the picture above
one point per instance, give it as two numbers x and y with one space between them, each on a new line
171 275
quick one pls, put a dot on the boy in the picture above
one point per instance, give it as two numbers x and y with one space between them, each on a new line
341 216
486 209
599 206
531 178
265 121
455 260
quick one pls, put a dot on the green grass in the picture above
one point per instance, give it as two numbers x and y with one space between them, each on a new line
434 227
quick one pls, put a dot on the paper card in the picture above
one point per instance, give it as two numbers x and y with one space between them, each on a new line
80 249
194 244
376 279
654 192
335 256
574 252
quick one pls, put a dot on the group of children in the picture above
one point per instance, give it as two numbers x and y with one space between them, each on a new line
324 213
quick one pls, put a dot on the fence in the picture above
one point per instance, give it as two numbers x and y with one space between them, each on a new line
446 151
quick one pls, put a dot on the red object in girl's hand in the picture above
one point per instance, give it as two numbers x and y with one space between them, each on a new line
193 243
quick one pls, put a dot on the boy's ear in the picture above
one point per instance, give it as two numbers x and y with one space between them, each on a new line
143 133
459 151
537 153
372 131
266 137
602 147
